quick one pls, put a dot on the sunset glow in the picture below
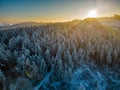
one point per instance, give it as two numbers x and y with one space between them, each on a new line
92 13
15 11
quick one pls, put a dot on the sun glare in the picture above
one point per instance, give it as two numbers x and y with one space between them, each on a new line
92 13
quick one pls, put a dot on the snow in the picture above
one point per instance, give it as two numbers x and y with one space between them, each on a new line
44 81
60 56
86 78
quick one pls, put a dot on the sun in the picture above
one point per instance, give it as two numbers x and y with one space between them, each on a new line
92 13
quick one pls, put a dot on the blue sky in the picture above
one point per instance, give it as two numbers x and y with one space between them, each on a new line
13 11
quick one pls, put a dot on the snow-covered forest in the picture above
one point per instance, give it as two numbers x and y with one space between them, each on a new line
76 55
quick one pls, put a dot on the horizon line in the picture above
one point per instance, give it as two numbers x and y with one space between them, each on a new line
49 21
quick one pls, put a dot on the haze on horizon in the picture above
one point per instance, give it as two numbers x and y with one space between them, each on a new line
14 11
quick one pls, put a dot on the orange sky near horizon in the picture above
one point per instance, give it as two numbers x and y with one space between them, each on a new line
16 11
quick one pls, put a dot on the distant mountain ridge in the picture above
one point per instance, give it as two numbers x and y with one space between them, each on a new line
87 22
24 24
4 24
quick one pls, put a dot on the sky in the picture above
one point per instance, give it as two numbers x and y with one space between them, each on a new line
14 11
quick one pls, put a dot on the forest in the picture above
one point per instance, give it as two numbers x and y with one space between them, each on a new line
75 55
